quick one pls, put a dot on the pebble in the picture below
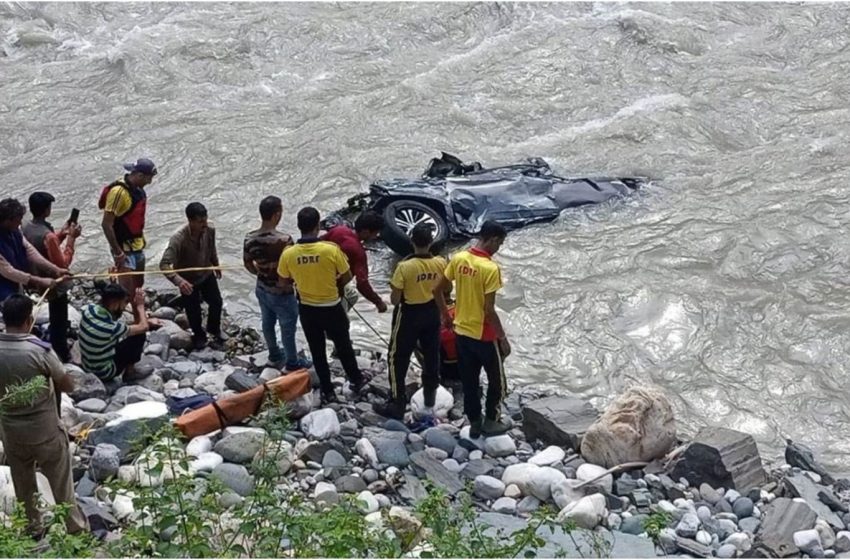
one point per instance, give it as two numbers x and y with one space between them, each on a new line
528 504
709 494
500 446
505 505
548 457
476 454
809 543
513 491
688 526
368 502
727 551
587 472
488 488
743 507
732 495
703 537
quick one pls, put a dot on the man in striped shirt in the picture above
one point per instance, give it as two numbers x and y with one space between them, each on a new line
109 347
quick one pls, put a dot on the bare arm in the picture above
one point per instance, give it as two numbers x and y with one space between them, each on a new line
107 224
140 318
396 295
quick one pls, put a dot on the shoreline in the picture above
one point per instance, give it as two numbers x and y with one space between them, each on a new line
347 449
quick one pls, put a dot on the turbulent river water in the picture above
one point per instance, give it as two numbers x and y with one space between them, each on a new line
725 282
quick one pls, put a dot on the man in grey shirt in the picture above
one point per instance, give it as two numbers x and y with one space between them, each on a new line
193 246
32 433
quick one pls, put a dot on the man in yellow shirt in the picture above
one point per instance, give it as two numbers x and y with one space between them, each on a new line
124 203
319 271
416 319
481 340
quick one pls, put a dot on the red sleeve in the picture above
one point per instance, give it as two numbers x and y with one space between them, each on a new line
360 269
55 254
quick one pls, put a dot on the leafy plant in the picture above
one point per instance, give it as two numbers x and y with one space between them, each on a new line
656 522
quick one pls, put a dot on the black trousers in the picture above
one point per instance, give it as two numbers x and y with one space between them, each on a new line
320 324
472 355
58 329
208 292
128 352
412 325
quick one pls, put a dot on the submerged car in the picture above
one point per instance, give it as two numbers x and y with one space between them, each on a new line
456 198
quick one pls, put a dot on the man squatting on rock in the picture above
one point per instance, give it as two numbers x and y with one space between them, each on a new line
32 433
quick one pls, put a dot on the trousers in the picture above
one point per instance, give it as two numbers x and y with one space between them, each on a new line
472 355
412 325
206 291
320 324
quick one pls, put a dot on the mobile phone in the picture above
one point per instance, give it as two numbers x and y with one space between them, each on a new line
75 215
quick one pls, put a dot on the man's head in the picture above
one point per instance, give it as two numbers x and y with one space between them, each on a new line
17 313
271 209
422 235
368 225
40 204
308 221
114 298
11 214
197 215
491 236
141 173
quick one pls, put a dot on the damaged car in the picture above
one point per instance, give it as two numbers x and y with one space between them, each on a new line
456 198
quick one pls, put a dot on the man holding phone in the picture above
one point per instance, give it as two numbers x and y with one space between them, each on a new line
41 235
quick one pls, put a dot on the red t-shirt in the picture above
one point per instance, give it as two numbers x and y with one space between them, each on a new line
350 244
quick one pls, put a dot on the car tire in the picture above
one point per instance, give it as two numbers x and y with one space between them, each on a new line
400 217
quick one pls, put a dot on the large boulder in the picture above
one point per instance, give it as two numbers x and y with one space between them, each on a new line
721 457
637 426
135 425
558 420
86 385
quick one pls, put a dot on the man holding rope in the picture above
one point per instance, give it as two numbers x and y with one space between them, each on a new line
193 246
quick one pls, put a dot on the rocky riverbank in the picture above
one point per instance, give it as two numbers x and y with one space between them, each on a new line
710 497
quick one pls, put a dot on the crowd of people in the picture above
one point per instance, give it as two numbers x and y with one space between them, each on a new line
306 280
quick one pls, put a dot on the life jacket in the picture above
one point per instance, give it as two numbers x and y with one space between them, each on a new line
131 225
13 250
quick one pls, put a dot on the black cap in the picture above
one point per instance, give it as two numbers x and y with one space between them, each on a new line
143 166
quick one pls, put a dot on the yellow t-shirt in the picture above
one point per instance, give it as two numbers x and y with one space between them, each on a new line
416 277
474 275
119 202
314 267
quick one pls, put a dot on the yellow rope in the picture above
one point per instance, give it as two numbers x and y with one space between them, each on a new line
153 271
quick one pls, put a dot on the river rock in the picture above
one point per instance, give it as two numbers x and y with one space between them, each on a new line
122 507
721 457
240 447
557 420
488 488
499 446
212 382
198 445
586 513
240 381
782 518
125 432
552 455
637 426
587 472
350 484
86 385
842 542
235 477
809 543
727 551
132 394
92 405
366 451
802 486
743 507
205 462
519 475
436 472
542 480
392 452
566 492
105 462
827 535
367 502
504 505
321 424
326 494
688 526
441 439
443 403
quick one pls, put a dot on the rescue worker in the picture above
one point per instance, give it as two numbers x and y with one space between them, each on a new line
416 320
260 254
367 227
124 203
18 257
32 433
319 271
193 246
481 340
40 233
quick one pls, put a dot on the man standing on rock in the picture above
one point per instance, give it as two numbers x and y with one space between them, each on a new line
416 320
124 203
319 271
260 254
193 246
367 227
32 432
43 237
18 257
109 347
481 340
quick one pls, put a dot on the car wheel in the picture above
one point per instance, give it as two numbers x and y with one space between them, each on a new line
401 216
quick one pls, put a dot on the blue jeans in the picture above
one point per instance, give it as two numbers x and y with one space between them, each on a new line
279 309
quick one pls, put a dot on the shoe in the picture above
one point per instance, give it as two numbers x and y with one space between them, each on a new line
276 364
492 427
220 337
301 363
356 388
329 397
199 343
391 409
475 429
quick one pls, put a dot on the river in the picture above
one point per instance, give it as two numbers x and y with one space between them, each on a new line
725 282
